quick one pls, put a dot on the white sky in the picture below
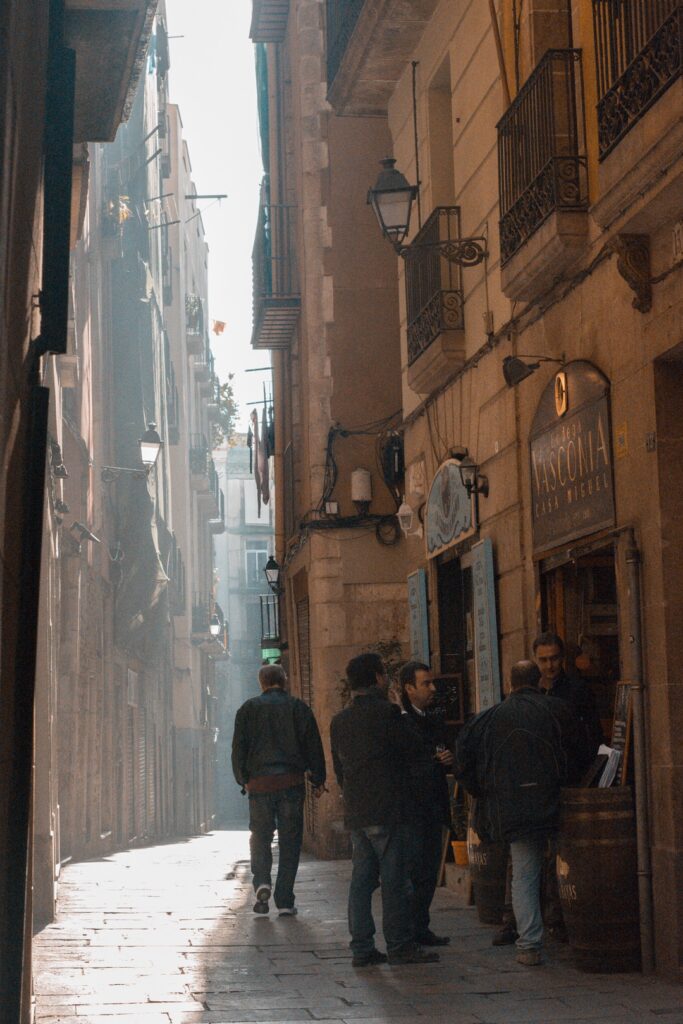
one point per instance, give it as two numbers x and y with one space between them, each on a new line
213 82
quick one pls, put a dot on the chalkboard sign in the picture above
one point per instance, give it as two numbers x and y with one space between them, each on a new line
621 727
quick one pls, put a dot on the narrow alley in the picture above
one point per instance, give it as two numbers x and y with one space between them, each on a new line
166 935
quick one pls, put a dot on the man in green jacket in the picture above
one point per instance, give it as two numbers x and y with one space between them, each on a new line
276 741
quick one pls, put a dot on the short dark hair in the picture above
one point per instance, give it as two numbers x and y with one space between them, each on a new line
548 640
272 675
408 673
524 673
362 671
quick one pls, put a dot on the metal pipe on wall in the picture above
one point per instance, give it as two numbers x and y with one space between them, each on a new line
639 757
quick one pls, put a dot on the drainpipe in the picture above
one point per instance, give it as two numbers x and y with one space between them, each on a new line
639 760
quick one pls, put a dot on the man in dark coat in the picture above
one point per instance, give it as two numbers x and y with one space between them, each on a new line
513 758
428 810
276 741
370 745
549 655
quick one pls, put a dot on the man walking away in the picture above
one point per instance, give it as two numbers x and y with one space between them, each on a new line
370 744
276 741
513 758
428 810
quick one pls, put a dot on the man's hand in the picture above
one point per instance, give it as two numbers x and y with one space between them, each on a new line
445 757
319 790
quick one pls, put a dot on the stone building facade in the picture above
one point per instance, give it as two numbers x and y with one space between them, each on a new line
538 141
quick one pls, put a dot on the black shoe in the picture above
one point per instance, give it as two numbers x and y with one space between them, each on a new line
430 939
262 897
505 936
369 959
412 954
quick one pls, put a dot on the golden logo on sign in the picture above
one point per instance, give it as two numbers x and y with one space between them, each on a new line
561 402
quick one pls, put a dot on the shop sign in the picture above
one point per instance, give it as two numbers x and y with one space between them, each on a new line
450 515
417 616
485 626
571 470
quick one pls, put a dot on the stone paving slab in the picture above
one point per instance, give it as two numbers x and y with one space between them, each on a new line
166 935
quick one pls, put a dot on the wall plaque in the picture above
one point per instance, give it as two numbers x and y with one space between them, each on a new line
485 625
450 515
571 460
417 616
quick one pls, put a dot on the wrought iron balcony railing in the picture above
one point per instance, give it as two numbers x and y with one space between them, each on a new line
639 54
433 282
541 159
199 456
342 16
276 283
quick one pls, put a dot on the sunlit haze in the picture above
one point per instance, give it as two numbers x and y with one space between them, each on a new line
212 81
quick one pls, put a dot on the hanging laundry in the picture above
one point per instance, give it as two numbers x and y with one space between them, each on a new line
265 454
218 326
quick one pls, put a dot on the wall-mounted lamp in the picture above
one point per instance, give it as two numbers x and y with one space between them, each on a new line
215 626
392 198
150 446
57 462
81 533
272 573
406 518
515 370
472 480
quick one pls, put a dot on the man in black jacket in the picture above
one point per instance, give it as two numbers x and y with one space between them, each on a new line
549 655
513 758
276 741
428 807
370 744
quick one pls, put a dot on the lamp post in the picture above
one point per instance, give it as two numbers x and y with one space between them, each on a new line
272 573
150 445
391 198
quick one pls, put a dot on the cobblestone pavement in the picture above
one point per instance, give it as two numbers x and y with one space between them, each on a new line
161 936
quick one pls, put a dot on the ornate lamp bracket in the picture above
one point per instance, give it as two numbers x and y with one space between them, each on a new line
465 252
633 263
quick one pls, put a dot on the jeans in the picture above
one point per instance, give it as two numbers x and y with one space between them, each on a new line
284 811
379 859
527 863
424 846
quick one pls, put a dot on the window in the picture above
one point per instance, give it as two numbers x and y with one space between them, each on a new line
256 557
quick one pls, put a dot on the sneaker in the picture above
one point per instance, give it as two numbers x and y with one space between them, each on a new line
505 936
287 912
262 897
430 939
412 954
369 959
529 957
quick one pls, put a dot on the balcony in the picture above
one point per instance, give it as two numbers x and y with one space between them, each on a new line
639 58
199 462
276 286
434 303
110 38
194 325
217 502
543 177
369 45
269 21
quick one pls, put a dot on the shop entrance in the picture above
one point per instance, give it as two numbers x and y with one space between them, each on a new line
579 601
456 635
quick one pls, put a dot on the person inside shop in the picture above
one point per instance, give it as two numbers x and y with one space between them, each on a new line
513 758
549 655
370 744
428 808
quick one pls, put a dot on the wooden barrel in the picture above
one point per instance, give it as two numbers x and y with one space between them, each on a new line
597 878
488 871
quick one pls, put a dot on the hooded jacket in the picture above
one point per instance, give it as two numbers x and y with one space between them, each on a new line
514 757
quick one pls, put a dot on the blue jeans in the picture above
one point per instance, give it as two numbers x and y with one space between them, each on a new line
527 864
284 811
379 859
424 846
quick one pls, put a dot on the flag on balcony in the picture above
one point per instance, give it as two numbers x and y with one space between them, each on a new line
260 463
218 326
